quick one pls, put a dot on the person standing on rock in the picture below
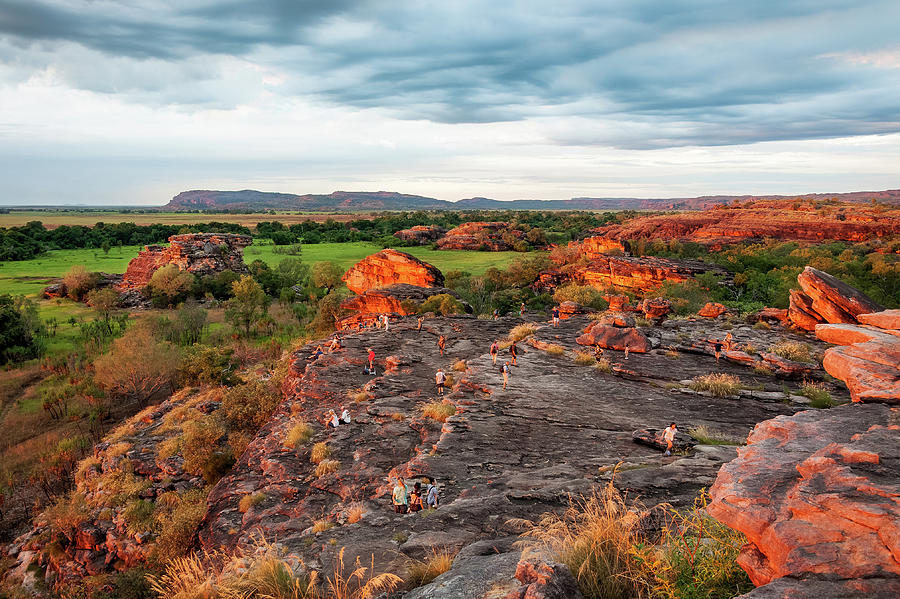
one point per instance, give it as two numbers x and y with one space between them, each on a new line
496 314
669 438
399 497
729 342
419 325
386 321
505 371
439 379
513 352
415 498
371 360
598 352
718 349
442 341
554 313
431 496
495 349
522 310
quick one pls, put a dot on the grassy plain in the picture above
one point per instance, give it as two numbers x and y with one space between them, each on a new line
89 218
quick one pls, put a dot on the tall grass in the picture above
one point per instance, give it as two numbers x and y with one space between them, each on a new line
438 410
424 571
521 331
719 384
793 350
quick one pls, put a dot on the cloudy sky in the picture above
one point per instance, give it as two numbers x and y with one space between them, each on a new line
115 102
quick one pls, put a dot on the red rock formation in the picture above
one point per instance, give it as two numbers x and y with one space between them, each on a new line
548 280
541 580
596 247
655 308
826 299
868 360
886 319
197 253
800 312
763 220
421 234
638 275
771 315
620 303
569 309
613 337
712 310
400 300
818 496
492 236
391 267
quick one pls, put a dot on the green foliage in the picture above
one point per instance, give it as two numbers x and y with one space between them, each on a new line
22 334
818 395
208 365
169 285
199 442
719 384
327 312
248 407
139 516
580 294
443 304
326 275
217 465
79 281
138 366
247 305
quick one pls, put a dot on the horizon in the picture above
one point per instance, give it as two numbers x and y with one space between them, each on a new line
113 105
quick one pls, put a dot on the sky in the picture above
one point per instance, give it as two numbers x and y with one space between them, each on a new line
129 103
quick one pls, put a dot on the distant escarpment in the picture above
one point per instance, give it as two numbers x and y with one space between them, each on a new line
249 199
783 220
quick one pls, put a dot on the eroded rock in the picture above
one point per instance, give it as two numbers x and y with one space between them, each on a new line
391 267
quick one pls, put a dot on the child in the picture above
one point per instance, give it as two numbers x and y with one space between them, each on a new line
415 498
669 437
371 359
442 341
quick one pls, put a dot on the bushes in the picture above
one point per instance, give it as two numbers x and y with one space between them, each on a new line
22 334
707 436
521 331
169 285
720 384
793 350
439 411
554 349
320 452
208 365
250 500
299 434
79 281
248 407
327 467
443 304
178 524
584 359
138 366
818 395
199 442
580 294
422 572
603 365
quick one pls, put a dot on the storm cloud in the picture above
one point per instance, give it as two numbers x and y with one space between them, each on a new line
637 74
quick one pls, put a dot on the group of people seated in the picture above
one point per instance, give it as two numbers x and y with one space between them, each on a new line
332 420
334 345
419 498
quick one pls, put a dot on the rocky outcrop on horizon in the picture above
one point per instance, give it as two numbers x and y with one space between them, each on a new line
421 234
197 253
490 236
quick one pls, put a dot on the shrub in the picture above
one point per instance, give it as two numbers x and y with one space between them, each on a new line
358 396
320 451
672 353
184 578
250 500
322 525
169 285
248 407
439 410
199 442
79 281
299 434
218 465
719 384
443 304
327 467
521 331
422 572
603 365
460 366
818 395
761 325
554 349
138 366
763 369
355 513
177 527
139 516
580 294
584 359
207 365
793 350
22 334
706 436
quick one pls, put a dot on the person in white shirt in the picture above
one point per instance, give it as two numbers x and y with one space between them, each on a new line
669 437
345 416
439 379
332 419
387 322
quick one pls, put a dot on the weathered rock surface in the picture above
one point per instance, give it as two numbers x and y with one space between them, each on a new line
886 319
198 253
597 247
833 300
638 275
613 337
542 580
655 308
814 588
421 234
712 310
493 236
818 496
392 300
391 267
569 309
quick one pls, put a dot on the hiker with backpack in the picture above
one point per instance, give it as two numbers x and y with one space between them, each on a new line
513 352
505 371
431 496
554 314
439 379
415 498
442 341
495 349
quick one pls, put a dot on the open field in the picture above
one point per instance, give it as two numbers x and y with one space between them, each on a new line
89 218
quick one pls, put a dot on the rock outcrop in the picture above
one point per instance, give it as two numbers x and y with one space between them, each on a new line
610 336
597 247
868 359
393 300
818 496
421 234
712 310
789 221
391 267
638 275
824 298
198 253
491 236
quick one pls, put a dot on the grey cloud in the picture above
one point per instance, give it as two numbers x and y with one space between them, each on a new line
672 73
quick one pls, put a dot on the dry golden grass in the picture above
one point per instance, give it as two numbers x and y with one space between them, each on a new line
358 396
327 467
708 436
603 365
398 417
355 513
422 572
299 434
719 384
320 451
460 366
554 349
793 350
322 525
439 410
248 501
584 359
521 331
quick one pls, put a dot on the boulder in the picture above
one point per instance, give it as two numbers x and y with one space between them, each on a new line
787 368
639 274
391 267
656 308
871 370
886 319
548 280
816 494
612 337
822 588
197 253
491 236
421 234
770 315
654 438
400 299
619 303
848 334
542 580
833 300
712 310
594 247
569 309
616 319
801 313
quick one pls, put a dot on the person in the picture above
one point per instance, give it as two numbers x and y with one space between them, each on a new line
335 343
496 313
399 497
415 498
439 378
419 326
431 496
598 352
626 352
317 353
377 322
331 419
371 360
522 309
505 371
669 438
729 342
345 416
495 349
442 341
718 350
386 321
554 313
513 352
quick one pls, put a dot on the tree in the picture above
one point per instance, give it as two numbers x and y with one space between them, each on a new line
169 284
138 366
326 275
22 334
105 302
247 305
329 310
79 281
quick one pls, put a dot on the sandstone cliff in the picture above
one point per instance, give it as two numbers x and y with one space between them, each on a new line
391 267
492 236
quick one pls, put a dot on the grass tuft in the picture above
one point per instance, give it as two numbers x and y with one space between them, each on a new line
250 500
707 436
320 451
460 366
439 410
554 349
603 365
521 331
299 434
793 350
719 384
584 359
818 394
327 467
422 572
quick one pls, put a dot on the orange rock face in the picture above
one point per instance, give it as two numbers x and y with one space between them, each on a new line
833 300
613 337
398 300
818 496
595 247
764 220
391 267
492 236
638 275
868 360
712 310
197 253
886 319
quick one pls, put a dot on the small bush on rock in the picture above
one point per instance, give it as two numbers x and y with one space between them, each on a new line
438 410
818 395
521 331
793 350
719 384
422 572
327 467
320 452
248 501
584 359
299 434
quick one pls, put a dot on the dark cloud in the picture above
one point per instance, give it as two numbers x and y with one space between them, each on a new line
635 74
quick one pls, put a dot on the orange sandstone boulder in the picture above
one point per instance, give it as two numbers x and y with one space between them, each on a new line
639 275
391 267
712 310
619 303
818 496
886 319
568 309
800 311
596 247
833 300
871 370
401 300
656 308
613 337
492 236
